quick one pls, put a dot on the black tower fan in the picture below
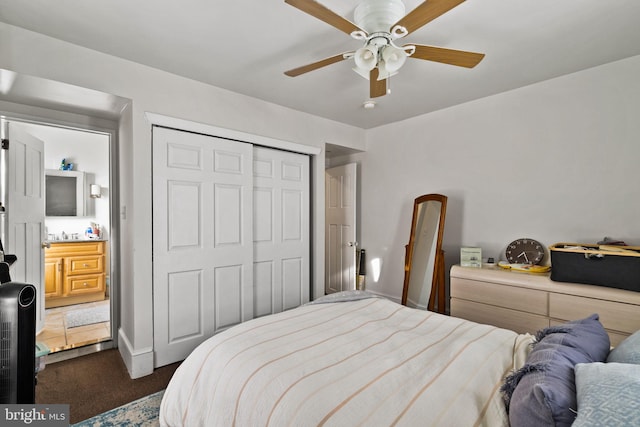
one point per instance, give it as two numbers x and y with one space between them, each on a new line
17 343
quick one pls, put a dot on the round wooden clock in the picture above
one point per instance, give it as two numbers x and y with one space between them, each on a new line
524 251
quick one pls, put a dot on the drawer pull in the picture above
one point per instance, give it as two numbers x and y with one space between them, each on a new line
85 265
85 284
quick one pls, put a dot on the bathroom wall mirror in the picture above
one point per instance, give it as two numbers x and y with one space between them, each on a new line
64 193
424 258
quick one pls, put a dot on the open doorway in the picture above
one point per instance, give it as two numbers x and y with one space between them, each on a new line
342 250
77 257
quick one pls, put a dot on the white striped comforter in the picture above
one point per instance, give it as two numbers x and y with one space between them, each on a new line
370 362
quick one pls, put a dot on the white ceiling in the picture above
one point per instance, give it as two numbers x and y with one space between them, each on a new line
246 45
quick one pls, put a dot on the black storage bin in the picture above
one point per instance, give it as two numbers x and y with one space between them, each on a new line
603 265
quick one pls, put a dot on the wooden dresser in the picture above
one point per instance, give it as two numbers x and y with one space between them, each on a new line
528 302
74 272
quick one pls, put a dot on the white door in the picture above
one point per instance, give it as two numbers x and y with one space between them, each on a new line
25 210
202 239
280 230
340 228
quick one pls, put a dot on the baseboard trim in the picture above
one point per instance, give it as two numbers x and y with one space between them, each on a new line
61 356
139 363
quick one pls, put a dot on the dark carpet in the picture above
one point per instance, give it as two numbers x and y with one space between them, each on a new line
96 383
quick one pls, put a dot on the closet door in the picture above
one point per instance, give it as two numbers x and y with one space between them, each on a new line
280 230
202 239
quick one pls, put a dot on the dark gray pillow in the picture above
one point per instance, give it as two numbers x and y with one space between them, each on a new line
628 351
543 391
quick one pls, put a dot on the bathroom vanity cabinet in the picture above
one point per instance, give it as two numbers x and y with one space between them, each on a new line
74 272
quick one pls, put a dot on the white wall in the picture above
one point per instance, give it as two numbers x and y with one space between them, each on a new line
557 161
155 91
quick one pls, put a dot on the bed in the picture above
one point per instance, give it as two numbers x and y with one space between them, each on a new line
352 359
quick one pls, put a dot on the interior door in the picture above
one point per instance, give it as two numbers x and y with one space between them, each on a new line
340 228
25 209
280 230
202 239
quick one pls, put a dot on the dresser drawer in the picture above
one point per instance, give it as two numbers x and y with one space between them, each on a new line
615 316
516 298
84 264
498 316
514 301
85 284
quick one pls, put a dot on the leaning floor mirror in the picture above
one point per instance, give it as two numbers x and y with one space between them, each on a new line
424 258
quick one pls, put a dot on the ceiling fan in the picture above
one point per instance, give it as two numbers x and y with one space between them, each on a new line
379 23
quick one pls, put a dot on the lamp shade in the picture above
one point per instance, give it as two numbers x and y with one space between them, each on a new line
366 58
394 58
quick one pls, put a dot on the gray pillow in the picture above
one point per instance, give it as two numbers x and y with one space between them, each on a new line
628 351
607 394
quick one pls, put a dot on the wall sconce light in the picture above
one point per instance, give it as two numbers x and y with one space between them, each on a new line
95 191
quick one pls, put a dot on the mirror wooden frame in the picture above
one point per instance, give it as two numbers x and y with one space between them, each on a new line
437 281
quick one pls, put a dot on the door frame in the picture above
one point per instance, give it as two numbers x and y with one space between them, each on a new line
110 129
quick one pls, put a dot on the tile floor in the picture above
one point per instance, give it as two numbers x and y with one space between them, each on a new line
58 337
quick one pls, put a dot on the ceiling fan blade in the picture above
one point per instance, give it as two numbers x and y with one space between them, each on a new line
426 12
321 12
377 87
459 58
318 64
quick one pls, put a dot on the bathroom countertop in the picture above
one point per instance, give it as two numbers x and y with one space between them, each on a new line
76 240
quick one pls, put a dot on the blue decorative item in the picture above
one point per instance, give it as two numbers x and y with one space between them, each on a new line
64 166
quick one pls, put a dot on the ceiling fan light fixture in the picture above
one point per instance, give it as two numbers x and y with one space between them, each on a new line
378 23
